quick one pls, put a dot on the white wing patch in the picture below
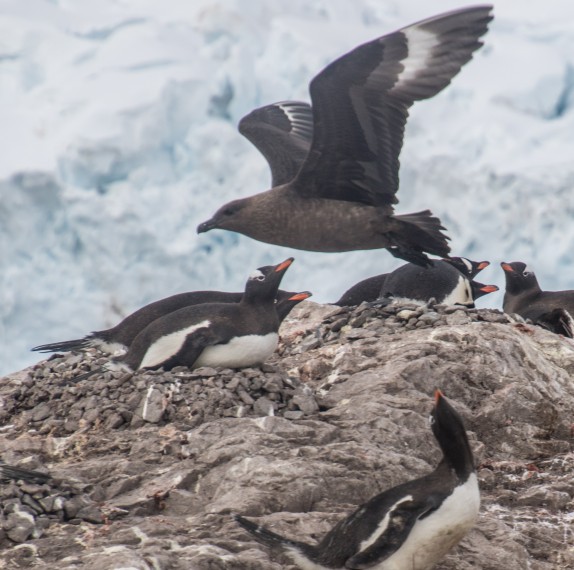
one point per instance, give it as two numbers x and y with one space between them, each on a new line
169 345
293 119
420 43
382 527
461 294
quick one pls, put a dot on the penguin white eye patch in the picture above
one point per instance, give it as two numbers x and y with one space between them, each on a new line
257 275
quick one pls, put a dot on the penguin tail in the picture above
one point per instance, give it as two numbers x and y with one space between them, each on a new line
273 540
65 346
87 375
10 473
416 234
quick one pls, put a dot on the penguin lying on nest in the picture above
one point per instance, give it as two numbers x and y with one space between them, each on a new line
227 335
370 289
409 527
552 310
118 339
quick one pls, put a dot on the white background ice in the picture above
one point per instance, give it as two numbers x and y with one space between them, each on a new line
118 136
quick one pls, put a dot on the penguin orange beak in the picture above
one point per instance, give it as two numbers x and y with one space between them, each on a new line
300 296
437 396
489 289
507 267
284 265
483 265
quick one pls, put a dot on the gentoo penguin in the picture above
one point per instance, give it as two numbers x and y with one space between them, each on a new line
12 473
558 321
480 289
552 310
440 281
466 266
118 339
284 304
342 197
409 527
229 335
369 289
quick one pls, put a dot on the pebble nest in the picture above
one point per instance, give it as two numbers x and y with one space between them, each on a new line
50 401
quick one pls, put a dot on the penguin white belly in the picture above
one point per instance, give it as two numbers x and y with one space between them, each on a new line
432 537
460 295
239 352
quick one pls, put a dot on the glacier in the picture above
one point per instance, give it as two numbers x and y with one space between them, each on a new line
119 136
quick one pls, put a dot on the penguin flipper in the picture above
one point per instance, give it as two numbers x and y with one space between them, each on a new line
401 521
188 351
558 321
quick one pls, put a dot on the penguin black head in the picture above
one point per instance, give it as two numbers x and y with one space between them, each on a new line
286 301
480 289
466 266
449 431
519 278
264 282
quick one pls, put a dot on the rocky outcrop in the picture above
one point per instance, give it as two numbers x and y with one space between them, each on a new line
148 468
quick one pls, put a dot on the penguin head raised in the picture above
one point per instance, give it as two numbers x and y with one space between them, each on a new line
285 301
480 289
467 267
264 282
519 278
449 431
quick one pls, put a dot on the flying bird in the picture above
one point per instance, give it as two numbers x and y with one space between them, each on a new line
335 165
411 526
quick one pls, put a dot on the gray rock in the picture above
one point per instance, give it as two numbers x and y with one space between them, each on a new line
19 525
152 405
170 487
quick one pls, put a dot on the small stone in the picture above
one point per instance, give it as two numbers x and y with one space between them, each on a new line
263 407
233 383
245 397
91 514
41 412
114 421
273 384
75 504
337 325
305 400
152 406
458 318
19 526
205 371
294 414
309 343
429 318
